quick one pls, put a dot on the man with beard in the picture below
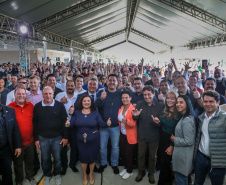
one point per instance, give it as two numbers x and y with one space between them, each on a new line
68 98
210 84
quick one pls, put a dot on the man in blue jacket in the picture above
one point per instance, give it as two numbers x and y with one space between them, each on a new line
10 142
108 103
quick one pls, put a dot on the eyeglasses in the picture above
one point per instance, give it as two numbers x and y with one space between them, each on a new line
104 78
21 76
23 82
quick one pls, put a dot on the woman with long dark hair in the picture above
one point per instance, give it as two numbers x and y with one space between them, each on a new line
184 141
168 120
87 121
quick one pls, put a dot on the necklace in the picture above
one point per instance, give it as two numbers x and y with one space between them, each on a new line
85 115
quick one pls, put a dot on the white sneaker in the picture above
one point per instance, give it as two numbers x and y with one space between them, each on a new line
127 175
122 172
58 179
46 180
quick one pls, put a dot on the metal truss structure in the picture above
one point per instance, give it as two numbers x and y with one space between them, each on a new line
70 12
24 54
112 46
131 16
141 47
9 26
211 41
149 37
106 37
196 12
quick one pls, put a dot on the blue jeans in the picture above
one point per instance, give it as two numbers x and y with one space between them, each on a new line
203 167
113 133
50 146
180 179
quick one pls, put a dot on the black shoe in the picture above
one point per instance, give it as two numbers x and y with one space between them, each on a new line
101 168
35 171
140 176
63 171
151 178
95 169
87 170
115 169
74 169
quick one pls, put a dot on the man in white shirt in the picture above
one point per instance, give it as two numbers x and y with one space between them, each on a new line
79 81
210 145
68 98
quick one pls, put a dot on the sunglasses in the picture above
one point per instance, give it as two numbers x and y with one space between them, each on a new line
22 82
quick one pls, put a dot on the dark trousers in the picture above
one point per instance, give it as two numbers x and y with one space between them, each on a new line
5 165
143 146
73 148
36 159
26 157
63 156
203 167
50 146
127 152
165 175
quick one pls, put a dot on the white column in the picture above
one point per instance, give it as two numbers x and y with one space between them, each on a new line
93 60
71 54
85 56
44 49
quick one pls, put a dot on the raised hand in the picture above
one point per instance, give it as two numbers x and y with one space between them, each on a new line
72 109
109 122
186 66
160 96
136 112
196 94
124 120
63 100
103 95
155 119
170 67
67 124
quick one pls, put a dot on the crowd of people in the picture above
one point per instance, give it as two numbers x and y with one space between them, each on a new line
151 117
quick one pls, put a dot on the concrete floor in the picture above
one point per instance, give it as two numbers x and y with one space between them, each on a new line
108 178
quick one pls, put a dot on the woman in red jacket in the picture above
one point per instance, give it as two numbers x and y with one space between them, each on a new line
128 134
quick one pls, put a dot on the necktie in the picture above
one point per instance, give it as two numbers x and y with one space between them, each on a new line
92 97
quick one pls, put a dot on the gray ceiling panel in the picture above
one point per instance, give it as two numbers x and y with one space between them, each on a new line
154 18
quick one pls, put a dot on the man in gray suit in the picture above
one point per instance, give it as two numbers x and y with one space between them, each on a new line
210 146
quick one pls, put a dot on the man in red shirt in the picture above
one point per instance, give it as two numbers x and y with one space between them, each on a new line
24 117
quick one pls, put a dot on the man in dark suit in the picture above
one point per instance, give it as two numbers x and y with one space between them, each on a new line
92 87
10 142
